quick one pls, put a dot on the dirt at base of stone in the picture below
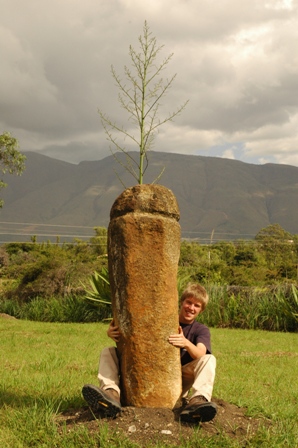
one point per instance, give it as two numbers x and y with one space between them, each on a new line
145 426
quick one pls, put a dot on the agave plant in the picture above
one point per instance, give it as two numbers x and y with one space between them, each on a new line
100 287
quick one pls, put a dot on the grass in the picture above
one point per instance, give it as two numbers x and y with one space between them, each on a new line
273 308
44 366
70 308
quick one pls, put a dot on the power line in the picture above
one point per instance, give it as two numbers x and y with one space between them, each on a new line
46 225
201 235
56 230
52 234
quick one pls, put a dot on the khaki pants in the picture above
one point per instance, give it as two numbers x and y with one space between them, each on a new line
198 374
108 370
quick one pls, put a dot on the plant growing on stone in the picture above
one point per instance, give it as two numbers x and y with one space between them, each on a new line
141 98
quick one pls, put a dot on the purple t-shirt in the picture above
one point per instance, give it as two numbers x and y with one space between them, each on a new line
195 333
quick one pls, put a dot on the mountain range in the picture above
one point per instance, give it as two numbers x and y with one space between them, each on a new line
219 199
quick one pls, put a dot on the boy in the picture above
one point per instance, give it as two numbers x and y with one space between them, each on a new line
198 364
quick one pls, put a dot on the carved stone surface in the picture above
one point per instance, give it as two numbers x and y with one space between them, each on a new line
143 248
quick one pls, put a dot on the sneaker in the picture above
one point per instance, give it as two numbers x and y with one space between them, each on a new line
199 409
107 401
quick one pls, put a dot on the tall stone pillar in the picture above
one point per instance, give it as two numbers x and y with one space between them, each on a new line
143 250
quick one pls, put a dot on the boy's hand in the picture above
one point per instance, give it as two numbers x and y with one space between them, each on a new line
113 331
178 340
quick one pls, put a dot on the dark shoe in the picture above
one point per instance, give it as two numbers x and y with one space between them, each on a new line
98 399
199 409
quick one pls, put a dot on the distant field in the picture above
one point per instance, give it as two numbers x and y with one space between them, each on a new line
44 365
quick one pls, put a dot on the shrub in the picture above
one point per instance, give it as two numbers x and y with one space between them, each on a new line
56 309
272 308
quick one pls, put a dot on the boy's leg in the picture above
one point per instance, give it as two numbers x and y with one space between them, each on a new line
108 369
105 398
199 375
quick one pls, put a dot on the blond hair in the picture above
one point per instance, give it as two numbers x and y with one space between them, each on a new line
196 291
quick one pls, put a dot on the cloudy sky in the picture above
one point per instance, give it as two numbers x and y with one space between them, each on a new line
236 61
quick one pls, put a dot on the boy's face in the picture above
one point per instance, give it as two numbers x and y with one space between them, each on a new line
189 310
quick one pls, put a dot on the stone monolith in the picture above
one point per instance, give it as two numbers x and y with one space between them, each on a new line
143 250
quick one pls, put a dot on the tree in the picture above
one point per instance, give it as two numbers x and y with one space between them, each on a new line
11 160
273 232
141 99
279 248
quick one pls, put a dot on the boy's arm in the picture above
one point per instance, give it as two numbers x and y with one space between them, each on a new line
179 340
113 331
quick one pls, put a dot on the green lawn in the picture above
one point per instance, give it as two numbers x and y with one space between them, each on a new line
44 365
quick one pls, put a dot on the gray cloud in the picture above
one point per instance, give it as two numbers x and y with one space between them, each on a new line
235 61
